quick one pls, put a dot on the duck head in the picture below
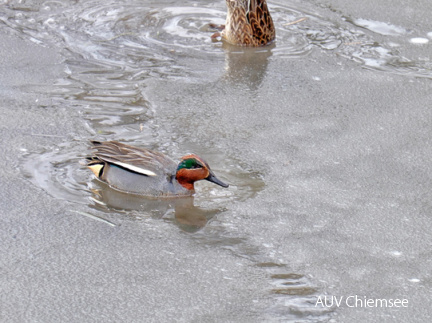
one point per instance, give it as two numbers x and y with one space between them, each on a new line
193 168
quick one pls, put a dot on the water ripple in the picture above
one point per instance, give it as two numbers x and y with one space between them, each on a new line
126 38
112 49
61 173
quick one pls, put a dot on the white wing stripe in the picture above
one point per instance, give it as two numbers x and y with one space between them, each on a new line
136 169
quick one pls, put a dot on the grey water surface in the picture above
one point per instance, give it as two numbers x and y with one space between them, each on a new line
324 137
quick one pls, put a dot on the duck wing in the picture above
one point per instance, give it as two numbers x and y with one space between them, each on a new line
139 160
260 21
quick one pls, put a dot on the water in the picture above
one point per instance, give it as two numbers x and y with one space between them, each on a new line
114 50
149 75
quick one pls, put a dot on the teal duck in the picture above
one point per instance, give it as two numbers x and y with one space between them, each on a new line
145 172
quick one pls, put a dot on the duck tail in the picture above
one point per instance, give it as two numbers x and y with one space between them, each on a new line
96 166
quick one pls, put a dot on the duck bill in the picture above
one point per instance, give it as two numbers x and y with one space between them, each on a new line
214 179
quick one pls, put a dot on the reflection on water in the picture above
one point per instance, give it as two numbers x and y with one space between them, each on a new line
127 42
59 172
181 211
244 65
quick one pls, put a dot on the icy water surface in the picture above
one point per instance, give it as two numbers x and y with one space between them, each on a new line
143 73
115 50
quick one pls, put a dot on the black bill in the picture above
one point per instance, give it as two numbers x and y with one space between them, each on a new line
214 179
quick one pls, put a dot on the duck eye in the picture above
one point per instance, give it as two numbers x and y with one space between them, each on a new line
190 164
197 165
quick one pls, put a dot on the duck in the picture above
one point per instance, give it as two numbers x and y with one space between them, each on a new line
145 172
248 23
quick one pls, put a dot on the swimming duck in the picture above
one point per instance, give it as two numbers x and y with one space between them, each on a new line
145 172
248 23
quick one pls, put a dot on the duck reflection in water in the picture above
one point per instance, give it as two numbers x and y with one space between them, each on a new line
246 66
248 39
181 211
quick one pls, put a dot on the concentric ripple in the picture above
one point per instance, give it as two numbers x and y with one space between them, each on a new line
131 40
61 173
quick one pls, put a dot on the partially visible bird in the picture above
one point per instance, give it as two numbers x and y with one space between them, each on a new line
248 23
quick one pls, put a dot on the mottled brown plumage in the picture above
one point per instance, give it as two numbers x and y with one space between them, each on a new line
248 23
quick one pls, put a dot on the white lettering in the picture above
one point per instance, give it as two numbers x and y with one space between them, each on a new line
329 302
360 301
338 302
347 301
